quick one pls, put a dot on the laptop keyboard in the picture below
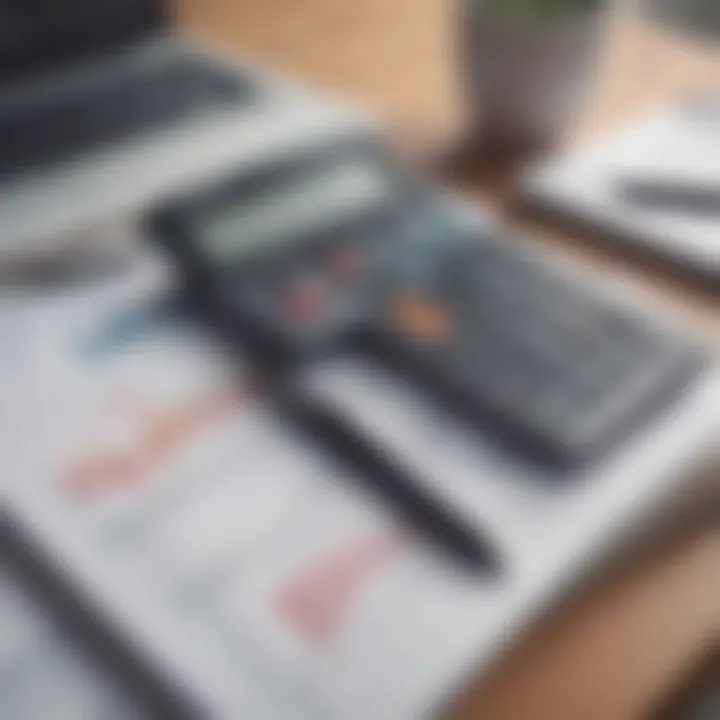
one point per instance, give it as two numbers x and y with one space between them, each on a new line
53 131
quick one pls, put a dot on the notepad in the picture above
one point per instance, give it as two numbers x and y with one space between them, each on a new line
678 146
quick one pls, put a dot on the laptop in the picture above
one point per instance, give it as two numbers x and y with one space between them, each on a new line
104 109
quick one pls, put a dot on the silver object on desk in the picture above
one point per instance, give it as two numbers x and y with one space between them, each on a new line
96 192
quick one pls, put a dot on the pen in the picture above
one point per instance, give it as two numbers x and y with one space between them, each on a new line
383 476
677 196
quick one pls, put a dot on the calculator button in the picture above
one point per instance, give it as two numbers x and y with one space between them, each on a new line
305 301
347 264
420 319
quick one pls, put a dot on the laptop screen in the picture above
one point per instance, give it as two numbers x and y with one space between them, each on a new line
38 36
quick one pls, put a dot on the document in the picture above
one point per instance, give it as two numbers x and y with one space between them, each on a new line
152 448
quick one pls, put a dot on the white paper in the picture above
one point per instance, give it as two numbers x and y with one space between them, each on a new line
311 593
672 145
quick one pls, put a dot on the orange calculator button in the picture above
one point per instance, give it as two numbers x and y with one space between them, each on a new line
421 319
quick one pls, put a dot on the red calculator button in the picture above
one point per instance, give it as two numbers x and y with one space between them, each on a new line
347 264
305 301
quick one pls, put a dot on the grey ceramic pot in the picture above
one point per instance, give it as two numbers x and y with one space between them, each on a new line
526 78
699 17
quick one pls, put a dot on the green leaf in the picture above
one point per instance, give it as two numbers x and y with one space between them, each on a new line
542 8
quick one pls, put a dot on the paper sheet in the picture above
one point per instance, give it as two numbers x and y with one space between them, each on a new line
155 447
673 145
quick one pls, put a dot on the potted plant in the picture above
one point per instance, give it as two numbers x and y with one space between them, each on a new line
699 17
527 65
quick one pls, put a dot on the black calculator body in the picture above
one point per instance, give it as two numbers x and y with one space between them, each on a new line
290 258
344 251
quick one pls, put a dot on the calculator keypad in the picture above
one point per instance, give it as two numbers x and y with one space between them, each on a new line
550 366
554 369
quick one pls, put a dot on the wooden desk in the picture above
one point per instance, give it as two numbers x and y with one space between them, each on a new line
613 653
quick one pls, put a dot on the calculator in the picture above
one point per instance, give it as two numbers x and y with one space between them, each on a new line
291 256
344 251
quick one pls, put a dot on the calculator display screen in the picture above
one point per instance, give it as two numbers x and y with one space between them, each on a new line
300 207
